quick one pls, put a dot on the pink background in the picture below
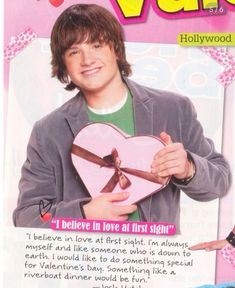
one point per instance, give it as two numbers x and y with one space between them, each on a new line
40 16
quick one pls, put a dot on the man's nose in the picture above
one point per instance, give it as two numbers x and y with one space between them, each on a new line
87 57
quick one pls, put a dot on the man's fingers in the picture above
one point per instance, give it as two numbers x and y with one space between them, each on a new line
169 172
167 168
160 160
107 207
115 197
173 147
166 138
127 209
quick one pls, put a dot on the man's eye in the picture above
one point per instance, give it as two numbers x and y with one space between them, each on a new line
97 45
73 52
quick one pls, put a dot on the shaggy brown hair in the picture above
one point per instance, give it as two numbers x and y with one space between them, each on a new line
85 23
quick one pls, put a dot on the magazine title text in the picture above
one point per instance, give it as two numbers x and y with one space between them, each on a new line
134 11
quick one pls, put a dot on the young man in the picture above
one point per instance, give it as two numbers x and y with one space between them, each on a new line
88 54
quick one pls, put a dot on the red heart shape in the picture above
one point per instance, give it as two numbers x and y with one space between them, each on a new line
56 3
135 152
46 217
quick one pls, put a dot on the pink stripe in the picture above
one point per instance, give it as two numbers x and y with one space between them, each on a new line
224 58
228 253
123 227
18 43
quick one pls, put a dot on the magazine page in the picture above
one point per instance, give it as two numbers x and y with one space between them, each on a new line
118 144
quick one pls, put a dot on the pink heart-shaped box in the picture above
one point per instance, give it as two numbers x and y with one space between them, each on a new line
135 152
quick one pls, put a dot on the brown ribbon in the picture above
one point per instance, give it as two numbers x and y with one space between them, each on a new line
113 161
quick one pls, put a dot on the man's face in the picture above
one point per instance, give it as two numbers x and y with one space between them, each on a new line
91 66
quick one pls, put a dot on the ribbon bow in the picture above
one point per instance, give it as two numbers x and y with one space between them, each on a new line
113 161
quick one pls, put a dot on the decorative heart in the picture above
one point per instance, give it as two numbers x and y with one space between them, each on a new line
92 152
56 3
46 217
44 207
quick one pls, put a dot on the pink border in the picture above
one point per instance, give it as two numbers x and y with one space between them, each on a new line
152 28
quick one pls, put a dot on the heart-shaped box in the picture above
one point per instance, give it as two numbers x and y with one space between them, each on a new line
96 142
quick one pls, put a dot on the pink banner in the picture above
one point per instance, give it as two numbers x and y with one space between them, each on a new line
123 227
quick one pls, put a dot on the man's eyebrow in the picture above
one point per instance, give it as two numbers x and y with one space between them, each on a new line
74 46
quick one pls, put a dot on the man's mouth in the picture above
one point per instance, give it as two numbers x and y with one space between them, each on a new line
91 71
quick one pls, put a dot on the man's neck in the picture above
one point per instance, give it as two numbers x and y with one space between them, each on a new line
107 97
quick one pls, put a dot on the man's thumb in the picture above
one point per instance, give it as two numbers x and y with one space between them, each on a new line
166 138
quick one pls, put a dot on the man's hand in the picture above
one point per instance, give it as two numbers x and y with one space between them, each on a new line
210 246
104 207
171 160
